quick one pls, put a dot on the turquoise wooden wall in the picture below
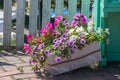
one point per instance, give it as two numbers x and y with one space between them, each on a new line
107 15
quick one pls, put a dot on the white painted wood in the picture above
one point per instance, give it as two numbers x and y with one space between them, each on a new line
85 8
20 24
46 11
7 24
72 9
59 7
33 16
74 64
77 54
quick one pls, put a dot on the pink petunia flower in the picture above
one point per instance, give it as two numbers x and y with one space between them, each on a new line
56 22
27 48
84 19
43 31
74 23
49 25
29 37
59 18
39 41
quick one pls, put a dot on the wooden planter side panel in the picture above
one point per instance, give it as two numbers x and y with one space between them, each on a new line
88 49
72 65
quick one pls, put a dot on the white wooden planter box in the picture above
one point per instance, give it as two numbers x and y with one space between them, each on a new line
88 55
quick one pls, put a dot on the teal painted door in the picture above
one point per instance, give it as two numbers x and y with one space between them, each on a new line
112 50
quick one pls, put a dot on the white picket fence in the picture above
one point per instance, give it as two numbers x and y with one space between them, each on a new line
33 17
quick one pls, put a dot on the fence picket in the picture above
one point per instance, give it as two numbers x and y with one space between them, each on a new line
85 8
7 24
46 7
20 24
46 12
59 7
33 16
72 9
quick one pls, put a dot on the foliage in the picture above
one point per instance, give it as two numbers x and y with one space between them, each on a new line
62 39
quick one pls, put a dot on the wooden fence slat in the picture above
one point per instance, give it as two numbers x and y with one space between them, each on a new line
72 9
59 7
85 8
20 24
33 16
7 24
46 12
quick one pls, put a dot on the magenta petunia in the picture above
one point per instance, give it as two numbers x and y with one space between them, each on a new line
39 41
74 23
56 22
59 18
77 16
84 19
27 48
29 37
49 25
43 31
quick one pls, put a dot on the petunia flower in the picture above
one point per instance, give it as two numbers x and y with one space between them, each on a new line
82 41
29 37
58 59
84 19
41 57
74 23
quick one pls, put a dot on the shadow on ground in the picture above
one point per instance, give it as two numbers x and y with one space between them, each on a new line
110 72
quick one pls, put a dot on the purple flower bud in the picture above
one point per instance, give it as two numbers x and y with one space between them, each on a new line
58 59
67 43
34 47
72 51
82 41
65 22
71 43
62 48
47 52
41 57
59 42
34 61
54 46
55 40
74 47
34 53
66 31
41 46
82 35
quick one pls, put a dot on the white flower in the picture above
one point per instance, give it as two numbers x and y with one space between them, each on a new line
99 30
79 29
73 37
71 31
90 28
107 31
90 24
85 33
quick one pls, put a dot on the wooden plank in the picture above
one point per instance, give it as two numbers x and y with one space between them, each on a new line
85 8
7 24
20 24
33 16
59 7
72 9
46 12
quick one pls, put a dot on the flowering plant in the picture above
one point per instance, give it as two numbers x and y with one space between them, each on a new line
62 39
